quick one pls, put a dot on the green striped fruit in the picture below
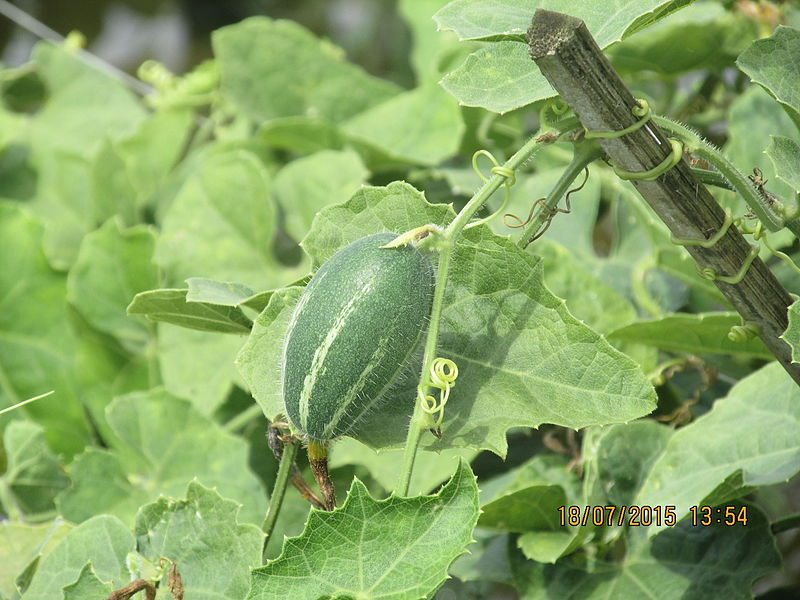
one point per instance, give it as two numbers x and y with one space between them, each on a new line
355 327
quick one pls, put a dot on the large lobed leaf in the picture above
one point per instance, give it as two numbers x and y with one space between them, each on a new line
37 345
686 562
22 548
165 444
272 69
750 438
705 333
103 540
191 532
113 265
34 475
393 549
501 76
523 359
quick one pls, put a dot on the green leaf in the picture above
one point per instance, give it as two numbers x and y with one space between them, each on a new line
88 585
221 293
430 468
34 475
113 265
422 126
501 76
84 105
307 185
22 546
112 192
397 207
63 204
702 36
488 562
171 306
36 344
183 353
527 500
530 496
260 359
742 436
165 444
301 134
534 364
608 20
588 297
754 117
103 540
684 562
705 333
152 150
205 234
192 532
772 63
792 334
273 69
785 156
230 293
523 359
396 534
624 455
430 47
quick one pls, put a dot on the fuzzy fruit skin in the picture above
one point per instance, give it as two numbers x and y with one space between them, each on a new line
355 326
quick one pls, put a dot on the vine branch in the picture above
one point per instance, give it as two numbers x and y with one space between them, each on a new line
420 420
572 62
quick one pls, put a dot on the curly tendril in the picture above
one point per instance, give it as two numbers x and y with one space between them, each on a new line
442 376
760 235
551 212
742 333
497 169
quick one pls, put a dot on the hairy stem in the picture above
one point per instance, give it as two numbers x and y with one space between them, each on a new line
702 149
278 491
585 153
419 420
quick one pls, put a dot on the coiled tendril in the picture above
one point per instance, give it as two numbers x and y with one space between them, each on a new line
442 376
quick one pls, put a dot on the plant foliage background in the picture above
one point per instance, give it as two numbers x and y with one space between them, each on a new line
152 249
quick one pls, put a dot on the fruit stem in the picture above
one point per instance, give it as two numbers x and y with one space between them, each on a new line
318 461
278 491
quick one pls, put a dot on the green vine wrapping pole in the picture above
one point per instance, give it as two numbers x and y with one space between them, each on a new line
420 420
570 59
702 149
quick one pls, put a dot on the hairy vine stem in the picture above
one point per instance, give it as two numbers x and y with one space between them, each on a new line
586 152
702 149
278 491
420 420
